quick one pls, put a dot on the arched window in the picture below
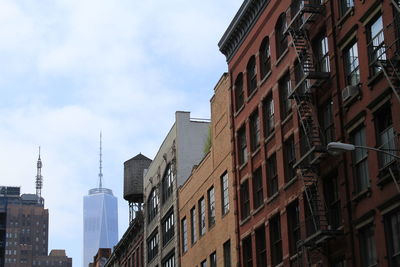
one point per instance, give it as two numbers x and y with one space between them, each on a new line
167 183
239 96
265 58
152 204
251 75
280 37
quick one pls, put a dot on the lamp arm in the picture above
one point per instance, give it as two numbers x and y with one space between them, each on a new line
378 150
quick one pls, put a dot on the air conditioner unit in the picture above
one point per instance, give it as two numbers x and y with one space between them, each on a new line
349 92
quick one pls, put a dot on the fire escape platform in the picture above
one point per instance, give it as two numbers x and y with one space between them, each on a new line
321 236
319 152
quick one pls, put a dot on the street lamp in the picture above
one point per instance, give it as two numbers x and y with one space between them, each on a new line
335 148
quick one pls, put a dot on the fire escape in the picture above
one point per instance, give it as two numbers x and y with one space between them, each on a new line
310 75
385 57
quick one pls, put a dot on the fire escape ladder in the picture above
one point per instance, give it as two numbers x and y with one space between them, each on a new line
392 73
396 4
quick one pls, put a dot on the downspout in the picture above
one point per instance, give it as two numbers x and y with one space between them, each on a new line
342 132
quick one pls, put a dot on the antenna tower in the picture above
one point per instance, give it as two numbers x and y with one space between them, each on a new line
100 167
39 178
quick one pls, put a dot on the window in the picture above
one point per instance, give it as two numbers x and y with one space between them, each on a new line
247 252
239 95
152 204
326 122
213 259
323 54
285 90
168 227
211 206
244 200
293 226
272 176
258 197
392 231
193 235
269 120
167 183
384 134
361 179
261 250
276 239
352 65
281 38
202 216
376 45
227 253
203 263
251 75
242 146
254 131
331 189
184 235
290 159
367 246
169 260
152 246
224 193
265 57
345 5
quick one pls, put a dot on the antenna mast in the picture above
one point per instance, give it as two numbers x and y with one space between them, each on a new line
39 178
100 172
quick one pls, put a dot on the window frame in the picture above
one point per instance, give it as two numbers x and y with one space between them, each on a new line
193 233
367 242
202 216
276 240
258 194
152 245
352 70
227 253
224 193
167 183
280 36
392 255
261 247
247 251
244 200
269 115
289 156
285 89
272 176
251 73
184 235
360 164
211 206
242 145
168 233
255 134
265 58
152 204
239 92
293 218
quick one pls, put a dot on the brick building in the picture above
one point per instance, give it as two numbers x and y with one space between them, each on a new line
306 73
23 227
206 212
56 258
181 149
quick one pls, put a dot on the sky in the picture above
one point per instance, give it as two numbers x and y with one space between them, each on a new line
72 68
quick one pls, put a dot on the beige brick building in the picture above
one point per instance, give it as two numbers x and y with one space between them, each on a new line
206 206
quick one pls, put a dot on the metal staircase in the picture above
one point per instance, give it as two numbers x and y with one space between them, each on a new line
303 14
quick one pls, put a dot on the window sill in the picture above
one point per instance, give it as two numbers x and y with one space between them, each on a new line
169 241
257 210
225 214
238 111
256 151
361 195
245 220
287 118
289 183
342 20
265 78
281 57
210 227
251 95
270 137
242 166
273 197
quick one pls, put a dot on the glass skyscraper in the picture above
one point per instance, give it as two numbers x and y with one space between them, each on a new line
100 219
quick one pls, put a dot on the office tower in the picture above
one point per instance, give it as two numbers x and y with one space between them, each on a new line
100 219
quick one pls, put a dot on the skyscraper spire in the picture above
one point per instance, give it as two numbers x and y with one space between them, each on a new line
100 172
39 178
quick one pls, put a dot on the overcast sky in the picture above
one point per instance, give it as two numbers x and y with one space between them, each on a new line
70 68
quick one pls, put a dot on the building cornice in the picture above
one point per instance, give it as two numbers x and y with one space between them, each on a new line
240 26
